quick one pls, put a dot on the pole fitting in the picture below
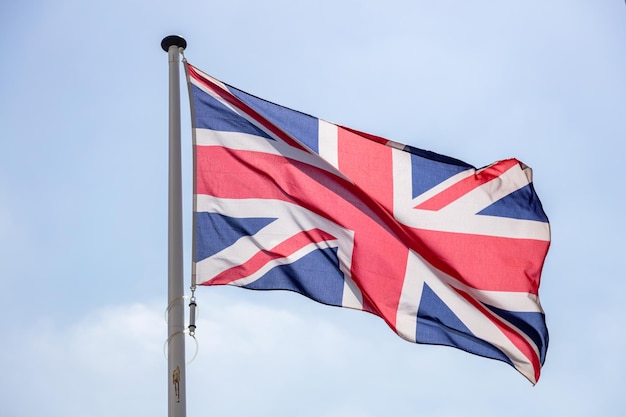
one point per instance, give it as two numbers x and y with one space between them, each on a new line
173 40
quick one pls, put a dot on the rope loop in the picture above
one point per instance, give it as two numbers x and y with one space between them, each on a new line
169 307
186 331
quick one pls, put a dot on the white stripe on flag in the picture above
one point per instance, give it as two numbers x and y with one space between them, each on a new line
328 143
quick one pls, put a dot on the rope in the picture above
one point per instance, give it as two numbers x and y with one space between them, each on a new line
167 341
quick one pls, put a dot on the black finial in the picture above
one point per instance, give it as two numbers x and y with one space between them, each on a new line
173 40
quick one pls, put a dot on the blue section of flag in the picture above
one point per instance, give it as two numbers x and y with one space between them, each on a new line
427 170
299 125
437 324
213 115
321 266
522 204
531 324
215 232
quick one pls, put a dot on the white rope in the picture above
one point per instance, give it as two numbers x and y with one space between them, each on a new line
186 331
191 329
169 307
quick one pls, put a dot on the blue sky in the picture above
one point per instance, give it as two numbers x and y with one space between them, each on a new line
83 195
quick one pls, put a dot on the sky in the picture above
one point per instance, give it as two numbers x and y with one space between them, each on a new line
83 200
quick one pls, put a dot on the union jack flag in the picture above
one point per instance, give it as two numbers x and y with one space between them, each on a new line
445 253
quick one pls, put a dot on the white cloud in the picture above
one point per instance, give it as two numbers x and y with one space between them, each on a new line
282 355
111 361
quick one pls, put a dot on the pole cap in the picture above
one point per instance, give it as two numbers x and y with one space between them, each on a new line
173 40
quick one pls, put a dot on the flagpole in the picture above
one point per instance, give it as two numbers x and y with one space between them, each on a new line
176 393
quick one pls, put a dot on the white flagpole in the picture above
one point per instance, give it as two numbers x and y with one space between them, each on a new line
176 395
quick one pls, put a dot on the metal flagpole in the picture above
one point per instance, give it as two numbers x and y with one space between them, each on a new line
176 397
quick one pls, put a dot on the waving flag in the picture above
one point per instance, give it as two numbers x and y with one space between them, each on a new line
445 253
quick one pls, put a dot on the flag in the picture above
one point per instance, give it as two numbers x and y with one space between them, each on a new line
445 253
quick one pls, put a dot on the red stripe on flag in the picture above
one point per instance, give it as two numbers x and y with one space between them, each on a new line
368 164
489 263
263 257
234 101
466 185
365 135
520 343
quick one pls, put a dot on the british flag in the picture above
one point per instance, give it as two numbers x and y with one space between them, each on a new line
445 253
